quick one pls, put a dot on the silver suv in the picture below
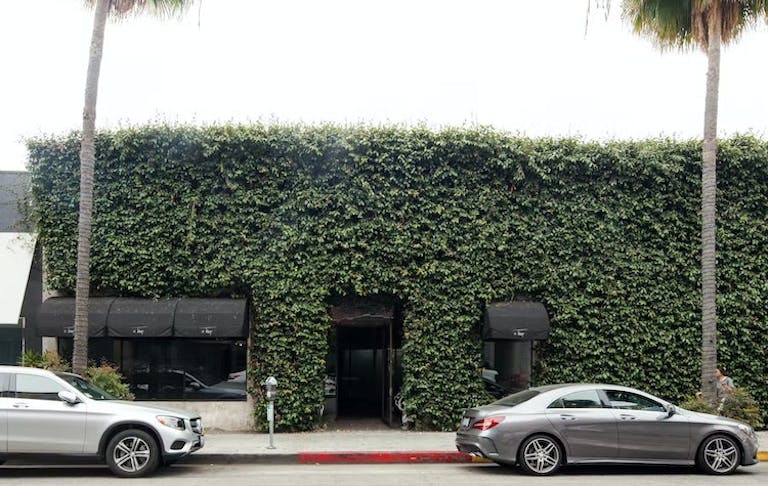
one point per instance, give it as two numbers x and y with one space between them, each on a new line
51 413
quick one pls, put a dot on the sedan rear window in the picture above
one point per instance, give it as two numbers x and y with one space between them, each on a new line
580 399
517 398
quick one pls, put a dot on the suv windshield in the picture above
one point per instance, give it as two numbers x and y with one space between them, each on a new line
517 398
88 389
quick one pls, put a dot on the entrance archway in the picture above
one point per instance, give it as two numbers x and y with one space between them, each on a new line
364 362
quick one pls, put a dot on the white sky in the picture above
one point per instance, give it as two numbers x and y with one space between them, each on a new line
521 66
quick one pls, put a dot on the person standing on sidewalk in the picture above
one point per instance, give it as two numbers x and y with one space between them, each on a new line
724 385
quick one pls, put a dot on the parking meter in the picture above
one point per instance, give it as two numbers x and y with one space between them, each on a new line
270 389
270 386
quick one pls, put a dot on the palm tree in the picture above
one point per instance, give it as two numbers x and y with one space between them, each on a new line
705 24
103 9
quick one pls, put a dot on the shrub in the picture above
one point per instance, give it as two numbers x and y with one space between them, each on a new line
48 361
738 405
109 379
32 358
696 404
104 375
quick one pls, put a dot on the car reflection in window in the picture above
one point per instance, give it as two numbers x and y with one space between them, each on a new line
631 401
178 384
88 389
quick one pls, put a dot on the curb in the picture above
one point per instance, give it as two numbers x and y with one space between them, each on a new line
229 458
351 457
388 457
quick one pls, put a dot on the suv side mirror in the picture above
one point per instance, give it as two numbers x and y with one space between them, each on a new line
69 397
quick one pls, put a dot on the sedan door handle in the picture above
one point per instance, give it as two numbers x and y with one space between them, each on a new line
20 405
627 417
565 416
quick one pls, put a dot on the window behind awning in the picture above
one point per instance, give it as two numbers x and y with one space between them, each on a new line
136 318
16 253
522 321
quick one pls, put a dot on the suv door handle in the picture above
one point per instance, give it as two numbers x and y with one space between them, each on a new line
567 416
20 405
627 417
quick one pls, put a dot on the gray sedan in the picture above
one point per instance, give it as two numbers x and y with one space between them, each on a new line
543 428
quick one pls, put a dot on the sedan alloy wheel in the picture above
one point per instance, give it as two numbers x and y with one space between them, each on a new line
540 455
719 455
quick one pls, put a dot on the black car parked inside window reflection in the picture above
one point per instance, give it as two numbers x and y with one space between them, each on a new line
180 385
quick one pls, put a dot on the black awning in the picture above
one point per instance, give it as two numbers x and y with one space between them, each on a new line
56 316
141 318
211 318
129 317
522 321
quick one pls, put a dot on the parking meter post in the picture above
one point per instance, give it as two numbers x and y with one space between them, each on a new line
270 388
271 419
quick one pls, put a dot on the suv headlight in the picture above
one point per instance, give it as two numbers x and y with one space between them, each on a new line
172 422
747 430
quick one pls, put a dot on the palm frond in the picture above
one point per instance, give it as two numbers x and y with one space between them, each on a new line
685 23
666 22
162 9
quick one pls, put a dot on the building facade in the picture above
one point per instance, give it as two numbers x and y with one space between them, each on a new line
377 264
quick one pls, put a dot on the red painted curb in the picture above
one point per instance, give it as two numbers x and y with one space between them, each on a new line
382 457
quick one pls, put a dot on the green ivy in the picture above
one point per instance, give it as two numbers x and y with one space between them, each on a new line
606 235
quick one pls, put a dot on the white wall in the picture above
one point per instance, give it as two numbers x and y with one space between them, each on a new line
217 416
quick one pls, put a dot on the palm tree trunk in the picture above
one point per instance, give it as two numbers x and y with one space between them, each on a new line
708 211
87 161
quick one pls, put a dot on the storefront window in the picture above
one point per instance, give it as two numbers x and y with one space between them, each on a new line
507 366
173 368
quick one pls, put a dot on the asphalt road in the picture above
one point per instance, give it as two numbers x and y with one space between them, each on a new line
378 475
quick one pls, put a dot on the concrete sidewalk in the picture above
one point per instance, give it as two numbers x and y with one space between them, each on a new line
379 446
332 447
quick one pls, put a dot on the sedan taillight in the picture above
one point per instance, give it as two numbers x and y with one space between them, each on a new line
488 422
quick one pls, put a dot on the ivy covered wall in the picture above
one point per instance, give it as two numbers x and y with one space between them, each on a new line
606 235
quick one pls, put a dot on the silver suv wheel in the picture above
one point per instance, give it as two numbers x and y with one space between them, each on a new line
132 453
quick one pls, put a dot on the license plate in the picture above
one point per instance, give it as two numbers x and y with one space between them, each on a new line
465 422
202 441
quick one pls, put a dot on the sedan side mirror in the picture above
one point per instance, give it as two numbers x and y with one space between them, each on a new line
671 410
69 397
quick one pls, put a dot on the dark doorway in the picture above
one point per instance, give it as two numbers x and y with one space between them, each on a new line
363 364
362 370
